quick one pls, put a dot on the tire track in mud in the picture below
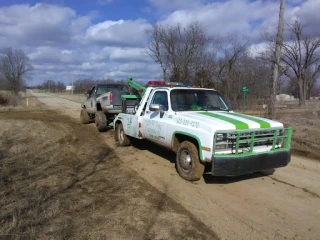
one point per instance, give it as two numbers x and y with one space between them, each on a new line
294 186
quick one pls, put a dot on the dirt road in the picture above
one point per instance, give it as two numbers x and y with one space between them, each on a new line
285 205
59 180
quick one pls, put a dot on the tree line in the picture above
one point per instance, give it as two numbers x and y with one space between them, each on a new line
80 85
188 54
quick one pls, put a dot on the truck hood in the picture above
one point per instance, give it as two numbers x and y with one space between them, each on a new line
222 120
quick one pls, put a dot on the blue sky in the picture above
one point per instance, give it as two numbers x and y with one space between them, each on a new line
106 38
101 9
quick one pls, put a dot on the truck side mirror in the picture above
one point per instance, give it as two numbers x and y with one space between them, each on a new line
154 107
229 106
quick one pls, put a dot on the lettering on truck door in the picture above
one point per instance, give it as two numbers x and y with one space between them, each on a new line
153 123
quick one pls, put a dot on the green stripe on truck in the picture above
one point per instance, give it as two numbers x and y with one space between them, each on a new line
263 124
238 124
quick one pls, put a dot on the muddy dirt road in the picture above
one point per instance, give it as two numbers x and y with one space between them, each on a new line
285 205
58 180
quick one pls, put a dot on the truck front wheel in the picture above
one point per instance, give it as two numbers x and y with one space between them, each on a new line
101 122
123 139
84 116
188 163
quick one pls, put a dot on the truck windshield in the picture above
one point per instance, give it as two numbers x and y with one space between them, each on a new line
111 88
197 99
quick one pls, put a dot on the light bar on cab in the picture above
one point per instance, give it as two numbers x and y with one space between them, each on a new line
154 83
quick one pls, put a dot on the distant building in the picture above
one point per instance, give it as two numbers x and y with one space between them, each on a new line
284 97
69 88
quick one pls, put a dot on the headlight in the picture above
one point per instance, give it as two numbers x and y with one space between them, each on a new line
221 137
221 146
279 142
280 132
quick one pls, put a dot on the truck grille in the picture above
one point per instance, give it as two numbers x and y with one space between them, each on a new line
249 141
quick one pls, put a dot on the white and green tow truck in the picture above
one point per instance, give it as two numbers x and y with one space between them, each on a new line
200 127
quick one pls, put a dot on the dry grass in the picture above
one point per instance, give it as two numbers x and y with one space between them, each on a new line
306 132
305 123
8 98
59 181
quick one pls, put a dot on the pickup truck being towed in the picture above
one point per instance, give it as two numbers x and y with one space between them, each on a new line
103 103
200 127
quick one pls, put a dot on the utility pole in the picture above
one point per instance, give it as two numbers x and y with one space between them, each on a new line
276 63
72 84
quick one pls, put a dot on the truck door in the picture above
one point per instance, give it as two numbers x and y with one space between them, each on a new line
90 102
154 122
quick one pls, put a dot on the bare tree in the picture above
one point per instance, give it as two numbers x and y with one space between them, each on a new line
49 85
60 86
156 48
233 51
14 67
302 58
178 50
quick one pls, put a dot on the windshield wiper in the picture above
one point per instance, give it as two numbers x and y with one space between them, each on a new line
210 108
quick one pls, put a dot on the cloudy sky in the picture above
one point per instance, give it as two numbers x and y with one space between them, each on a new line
106 38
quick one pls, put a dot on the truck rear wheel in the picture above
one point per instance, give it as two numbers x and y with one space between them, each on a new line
84 116
115 134
101 122
188 163
123 139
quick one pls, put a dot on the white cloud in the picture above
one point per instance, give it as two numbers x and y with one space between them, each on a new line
235 17
35 25
60 42
244 17
116 62
119 33
256 49
308 14
48 54
133 54
170 5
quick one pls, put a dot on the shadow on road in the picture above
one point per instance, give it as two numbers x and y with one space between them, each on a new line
155 149
209 179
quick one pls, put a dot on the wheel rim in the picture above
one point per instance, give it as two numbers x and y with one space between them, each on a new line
121 137
185 160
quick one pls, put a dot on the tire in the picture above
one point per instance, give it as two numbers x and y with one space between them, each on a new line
101 122
188 163
84 116
123 139
268 172
115 133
